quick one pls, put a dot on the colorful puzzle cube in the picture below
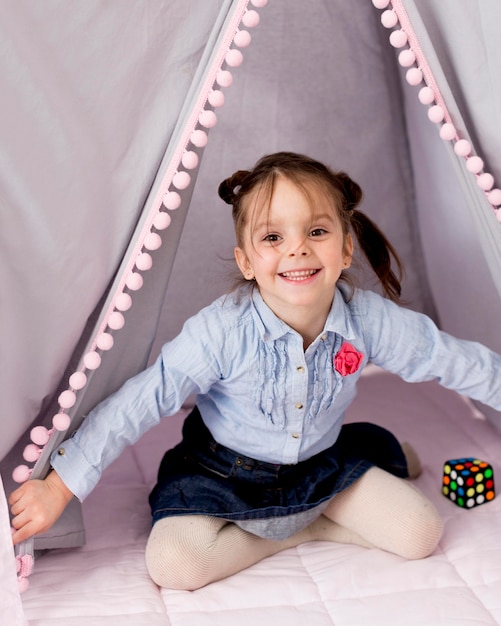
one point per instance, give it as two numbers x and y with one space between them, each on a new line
468 482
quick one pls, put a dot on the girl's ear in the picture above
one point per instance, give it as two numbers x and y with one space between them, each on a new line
348 251
243 263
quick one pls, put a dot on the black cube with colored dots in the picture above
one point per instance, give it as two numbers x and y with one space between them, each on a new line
468 482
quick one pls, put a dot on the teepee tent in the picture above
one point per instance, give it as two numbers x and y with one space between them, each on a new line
118 122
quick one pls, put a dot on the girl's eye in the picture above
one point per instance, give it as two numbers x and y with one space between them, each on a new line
317 232
273 237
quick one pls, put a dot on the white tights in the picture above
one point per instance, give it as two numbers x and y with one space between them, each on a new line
378 510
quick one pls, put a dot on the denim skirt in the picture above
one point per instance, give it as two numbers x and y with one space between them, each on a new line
201 477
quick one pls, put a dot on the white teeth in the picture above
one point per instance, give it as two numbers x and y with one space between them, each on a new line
300 275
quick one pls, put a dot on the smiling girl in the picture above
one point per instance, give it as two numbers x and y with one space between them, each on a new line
266 462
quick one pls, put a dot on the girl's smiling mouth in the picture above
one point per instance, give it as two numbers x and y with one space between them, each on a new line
298 275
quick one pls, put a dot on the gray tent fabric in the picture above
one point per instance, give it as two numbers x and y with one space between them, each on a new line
92 95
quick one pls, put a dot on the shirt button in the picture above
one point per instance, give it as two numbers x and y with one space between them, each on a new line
300 369
323 337
61 452
296 435
299 405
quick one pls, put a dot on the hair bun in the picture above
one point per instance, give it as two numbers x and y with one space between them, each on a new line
350 189
227 190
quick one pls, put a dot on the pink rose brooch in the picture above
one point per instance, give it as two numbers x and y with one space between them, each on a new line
347 360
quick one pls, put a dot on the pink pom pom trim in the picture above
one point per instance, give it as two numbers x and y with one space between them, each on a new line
190 160
389 19
123 302
398 38
208 119
242 39
153 241
251 19
224 78
116 321
105 341
134 281
31 453
474 164
182 180
172 200
78 380
92 360
144 262
61 421
40 435
406 58
67 399
161 221
448 132
21 474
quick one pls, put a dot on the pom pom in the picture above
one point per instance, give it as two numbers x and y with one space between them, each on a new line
398 38
234 58
389 19
380 4
199 139
485 181
224 78
494 197
436 114
31 453
474 164
40 435
242 39
22 584
462 148
161 221
448 132
67 399
426 95
414 76
78 380
216 98
92 360
105 341
61 421
152 241
134 281
250 19
207 119
21 474
144 261
406 58
259 3
172 200
116 321
181 180
190 160
123 302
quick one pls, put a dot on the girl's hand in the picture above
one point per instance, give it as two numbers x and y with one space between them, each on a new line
36 505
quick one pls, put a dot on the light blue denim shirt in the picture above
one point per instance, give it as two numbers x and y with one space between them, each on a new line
260 393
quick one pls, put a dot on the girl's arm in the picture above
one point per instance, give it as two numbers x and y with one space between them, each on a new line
36 505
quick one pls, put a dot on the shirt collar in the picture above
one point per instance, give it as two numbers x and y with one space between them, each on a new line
272 327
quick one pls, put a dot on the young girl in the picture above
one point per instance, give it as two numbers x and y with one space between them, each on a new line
265 462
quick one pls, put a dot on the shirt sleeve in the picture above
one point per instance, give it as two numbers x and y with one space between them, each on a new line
410 345
188 364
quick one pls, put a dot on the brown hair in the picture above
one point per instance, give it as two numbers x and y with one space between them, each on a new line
346 195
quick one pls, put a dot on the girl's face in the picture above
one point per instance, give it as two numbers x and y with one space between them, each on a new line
295 250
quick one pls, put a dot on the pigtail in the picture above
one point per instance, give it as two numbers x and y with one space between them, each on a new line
227 190
379 252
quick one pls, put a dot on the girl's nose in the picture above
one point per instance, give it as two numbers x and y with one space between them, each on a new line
299 248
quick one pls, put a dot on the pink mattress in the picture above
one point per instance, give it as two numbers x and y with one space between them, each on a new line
105 583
